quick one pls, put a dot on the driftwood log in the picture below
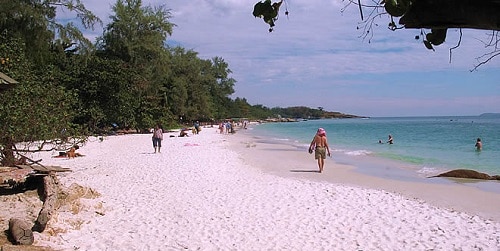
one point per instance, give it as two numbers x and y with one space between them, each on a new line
468 174
49 202
21 232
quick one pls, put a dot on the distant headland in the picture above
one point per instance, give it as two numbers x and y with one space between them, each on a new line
301 113
490 115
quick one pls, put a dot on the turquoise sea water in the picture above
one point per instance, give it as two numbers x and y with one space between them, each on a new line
427 145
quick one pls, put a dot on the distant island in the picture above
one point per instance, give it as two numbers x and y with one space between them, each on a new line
490 115
300 113
339 115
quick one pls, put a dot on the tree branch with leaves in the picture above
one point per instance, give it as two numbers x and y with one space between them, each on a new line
432 17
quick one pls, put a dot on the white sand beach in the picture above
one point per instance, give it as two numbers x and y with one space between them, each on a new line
210 192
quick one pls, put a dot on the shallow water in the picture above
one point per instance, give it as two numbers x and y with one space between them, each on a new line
424 145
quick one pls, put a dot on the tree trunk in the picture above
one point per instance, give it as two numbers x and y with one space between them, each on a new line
437 14
8 158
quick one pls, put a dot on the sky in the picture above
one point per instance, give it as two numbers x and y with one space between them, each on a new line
317 57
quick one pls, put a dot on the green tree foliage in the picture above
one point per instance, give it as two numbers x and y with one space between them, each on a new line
220 85
192 97
166 84
36 110
198 89
259 112
298 112
39 111
241 108
136 36
103 80
34 22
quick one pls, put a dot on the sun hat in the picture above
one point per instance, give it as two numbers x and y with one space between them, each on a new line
321 132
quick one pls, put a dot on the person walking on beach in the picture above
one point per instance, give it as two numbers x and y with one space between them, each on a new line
157 137
221 127
228 127
197 127
320 146
479 144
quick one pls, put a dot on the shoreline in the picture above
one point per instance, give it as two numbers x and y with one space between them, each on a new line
356 142
207 192
287 160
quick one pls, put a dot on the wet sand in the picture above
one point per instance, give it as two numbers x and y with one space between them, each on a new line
286 160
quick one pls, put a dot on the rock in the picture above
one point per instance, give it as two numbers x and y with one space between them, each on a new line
468 174
20 231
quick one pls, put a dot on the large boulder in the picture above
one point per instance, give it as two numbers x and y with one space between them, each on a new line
468 174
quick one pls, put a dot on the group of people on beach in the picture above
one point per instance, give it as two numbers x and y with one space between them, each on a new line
158 135
478 145
226 127
319 145
390 140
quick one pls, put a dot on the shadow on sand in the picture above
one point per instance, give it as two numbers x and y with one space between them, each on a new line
304 171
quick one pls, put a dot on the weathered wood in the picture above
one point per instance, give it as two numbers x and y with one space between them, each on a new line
23 161
474 14
49 169
49 202
58 169
13 175
24 167
40 169
21 232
